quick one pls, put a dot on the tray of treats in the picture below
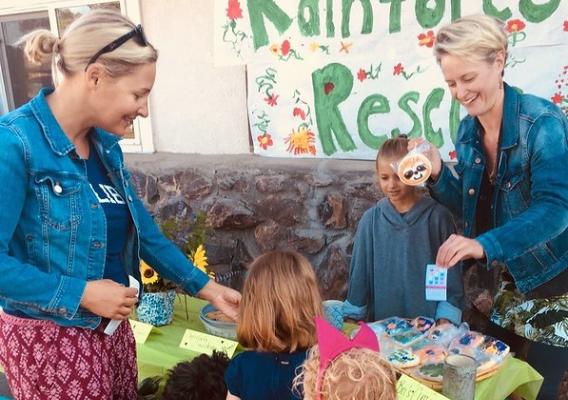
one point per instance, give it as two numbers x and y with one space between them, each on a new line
418 348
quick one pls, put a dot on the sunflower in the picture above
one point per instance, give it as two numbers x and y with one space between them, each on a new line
149 275
199 259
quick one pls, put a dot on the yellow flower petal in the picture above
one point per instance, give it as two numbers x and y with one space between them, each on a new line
199 258
149 275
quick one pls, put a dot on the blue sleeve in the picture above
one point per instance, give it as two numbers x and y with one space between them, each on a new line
233 377
356 305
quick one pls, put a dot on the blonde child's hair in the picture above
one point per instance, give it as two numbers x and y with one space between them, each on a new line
475 37
357 374
280 300
82 39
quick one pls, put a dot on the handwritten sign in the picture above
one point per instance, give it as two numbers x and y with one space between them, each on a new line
410 389
140 330
203 343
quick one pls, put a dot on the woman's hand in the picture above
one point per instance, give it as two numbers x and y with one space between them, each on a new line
457 248
109 299
222 298
432 154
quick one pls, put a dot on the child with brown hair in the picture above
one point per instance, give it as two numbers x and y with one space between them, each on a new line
280 300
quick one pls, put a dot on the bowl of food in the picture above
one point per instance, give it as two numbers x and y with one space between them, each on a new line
217 323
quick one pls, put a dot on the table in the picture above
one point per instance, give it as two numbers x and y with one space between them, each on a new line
160 352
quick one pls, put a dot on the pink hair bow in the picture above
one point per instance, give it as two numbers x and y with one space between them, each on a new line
333 343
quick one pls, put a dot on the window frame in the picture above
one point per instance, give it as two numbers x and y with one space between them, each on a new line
143 139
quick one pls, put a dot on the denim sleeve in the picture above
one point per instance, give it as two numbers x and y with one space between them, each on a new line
546 217
164 256
25 285
447 190
358 293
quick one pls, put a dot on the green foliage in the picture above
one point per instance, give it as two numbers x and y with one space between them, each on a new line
188 235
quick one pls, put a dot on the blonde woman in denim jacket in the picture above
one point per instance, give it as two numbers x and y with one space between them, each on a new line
511 192
72 228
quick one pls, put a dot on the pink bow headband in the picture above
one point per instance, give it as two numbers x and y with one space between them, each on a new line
332 343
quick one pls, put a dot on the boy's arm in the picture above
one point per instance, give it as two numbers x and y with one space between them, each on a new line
356 307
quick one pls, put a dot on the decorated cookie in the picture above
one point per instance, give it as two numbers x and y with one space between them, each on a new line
431 371
403 358
414 169
394 325
467 344
407 337
431 354
443 334
494 347
423 324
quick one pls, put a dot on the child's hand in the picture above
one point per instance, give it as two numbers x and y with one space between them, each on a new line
432 154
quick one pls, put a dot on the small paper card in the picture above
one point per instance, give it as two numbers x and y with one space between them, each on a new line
436 283
141 330
410 389
204 343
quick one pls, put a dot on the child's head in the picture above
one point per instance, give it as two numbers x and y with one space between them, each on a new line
200 378
390 153
279 302
357 374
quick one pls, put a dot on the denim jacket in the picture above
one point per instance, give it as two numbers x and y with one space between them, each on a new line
53 240
530 200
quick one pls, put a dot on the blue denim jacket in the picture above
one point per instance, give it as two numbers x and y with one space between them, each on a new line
53 230
530 200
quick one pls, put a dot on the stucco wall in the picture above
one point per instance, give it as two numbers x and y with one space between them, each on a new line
195 107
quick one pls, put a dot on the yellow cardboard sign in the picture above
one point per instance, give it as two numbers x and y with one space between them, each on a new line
204 343
140 330
410 389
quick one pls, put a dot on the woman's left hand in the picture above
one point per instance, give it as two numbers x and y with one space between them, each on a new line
224 299
457 248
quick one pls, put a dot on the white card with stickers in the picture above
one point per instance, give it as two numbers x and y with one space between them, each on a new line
436 283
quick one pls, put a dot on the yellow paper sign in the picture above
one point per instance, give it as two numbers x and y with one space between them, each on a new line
410 389
141 330
204 343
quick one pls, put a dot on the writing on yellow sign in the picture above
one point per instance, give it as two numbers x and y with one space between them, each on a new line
140 330
204 343
410 389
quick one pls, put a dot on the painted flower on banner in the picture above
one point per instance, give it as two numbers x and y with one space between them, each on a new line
453 154
566 26
298 112
301 142
272 100
265 140
557 98
234 10
361 74
398 69
515 25
426 39
285 47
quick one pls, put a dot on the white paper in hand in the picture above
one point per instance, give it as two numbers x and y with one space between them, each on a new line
113 324
436 283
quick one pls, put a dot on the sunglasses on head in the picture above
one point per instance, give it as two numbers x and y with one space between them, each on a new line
137 34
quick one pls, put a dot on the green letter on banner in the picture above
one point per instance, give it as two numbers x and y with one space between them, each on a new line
394 16
312 26
257 10
537 12
433 101
454 120
346 16
490 9
374 104
332 85
416 130
429 17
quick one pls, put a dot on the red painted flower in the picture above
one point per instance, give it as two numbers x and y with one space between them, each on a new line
515 25
426 39
234 11
398 69
328 87
362 74
453 154
285 47
299 112
566 26
557 98
272 100
265 140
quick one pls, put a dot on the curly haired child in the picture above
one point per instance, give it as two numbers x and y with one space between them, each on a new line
280 300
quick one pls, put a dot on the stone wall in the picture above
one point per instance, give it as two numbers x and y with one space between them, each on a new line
257 204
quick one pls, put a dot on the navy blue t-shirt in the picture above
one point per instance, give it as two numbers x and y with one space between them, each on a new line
254 375
117 217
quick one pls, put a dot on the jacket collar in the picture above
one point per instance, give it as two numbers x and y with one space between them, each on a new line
57 139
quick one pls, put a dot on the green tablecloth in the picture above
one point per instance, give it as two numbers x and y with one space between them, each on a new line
161 352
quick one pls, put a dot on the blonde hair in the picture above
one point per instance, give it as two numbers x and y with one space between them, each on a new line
280 300
357 374
475 37
396 147
82 39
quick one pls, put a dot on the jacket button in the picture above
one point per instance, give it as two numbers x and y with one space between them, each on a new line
62 311
97 244
129 198
508 185
477 160
471 191
466 224
57 188
495 263
95 205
